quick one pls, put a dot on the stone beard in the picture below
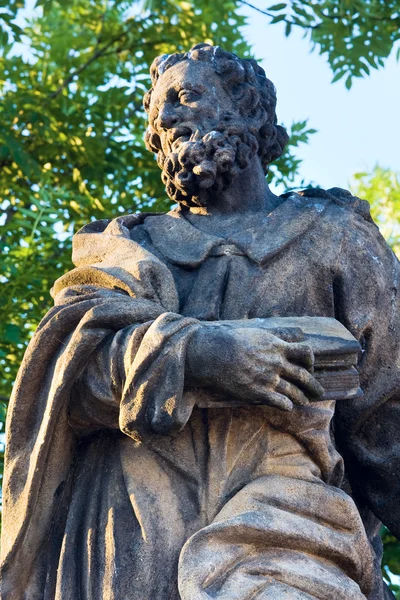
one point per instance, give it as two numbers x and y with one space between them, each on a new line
209 161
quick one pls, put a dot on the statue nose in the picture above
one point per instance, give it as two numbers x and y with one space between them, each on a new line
167 118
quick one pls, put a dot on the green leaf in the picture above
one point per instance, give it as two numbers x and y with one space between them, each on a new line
278 18
27 163
364 68
3 411
279 6
338 76
12 333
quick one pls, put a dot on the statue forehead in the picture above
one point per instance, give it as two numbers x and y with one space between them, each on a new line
190 74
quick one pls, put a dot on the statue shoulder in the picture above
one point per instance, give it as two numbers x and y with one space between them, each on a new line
124 223
342 198
348 219
99 239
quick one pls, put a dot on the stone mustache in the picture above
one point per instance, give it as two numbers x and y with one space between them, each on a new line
211 408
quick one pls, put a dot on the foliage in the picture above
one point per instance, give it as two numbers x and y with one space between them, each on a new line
9 29
382 190
355 35
284 171
391 560
71 135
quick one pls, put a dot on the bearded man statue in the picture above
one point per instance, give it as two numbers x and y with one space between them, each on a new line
170 435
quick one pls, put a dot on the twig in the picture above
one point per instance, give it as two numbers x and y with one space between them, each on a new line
263 12
94 57
120 123
322 16
285 20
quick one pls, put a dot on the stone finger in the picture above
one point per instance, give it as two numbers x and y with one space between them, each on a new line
300 355
278 400
301 376
292 392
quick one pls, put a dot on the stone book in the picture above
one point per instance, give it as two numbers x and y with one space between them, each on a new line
335 352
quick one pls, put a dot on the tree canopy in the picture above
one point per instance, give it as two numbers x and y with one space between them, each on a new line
355 35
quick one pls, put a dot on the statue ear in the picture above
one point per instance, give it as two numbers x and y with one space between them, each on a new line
146 100
278 146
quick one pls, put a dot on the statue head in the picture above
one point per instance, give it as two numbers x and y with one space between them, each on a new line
210 114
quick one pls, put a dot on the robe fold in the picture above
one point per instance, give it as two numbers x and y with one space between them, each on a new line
119 486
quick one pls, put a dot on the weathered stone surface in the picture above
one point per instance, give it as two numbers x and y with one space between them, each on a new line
168 435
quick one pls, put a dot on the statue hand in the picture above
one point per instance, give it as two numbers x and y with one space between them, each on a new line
253 365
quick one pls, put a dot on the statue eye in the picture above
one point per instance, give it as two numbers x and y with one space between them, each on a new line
187 96
172 96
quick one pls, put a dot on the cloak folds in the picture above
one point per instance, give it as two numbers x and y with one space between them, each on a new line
234 484
126 287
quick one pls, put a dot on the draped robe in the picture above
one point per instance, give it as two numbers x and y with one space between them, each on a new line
118 485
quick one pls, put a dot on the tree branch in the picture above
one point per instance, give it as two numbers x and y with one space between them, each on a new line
263 12
285 20
321 15
94 57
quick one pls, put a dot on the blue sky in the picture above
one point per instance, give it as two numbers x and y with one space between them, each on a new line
357 128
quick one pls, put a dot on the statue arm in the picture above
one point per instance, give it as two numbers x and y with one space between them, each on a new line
97 392
368 430
234 363
134 381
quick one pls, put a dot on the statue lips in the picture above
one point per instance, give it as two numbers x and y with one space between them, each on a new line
177 133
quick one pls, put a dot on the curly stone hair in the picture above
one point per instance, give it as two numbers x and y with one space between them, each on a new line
245 81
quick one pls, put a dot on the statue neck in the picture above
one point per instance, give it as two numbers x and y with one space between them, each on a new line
248 193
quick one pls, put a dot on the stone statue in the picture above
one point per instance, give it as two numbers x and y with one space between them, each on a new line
187 422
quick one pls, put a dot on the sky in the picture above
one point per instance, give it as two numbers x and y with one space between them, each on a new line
357 128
